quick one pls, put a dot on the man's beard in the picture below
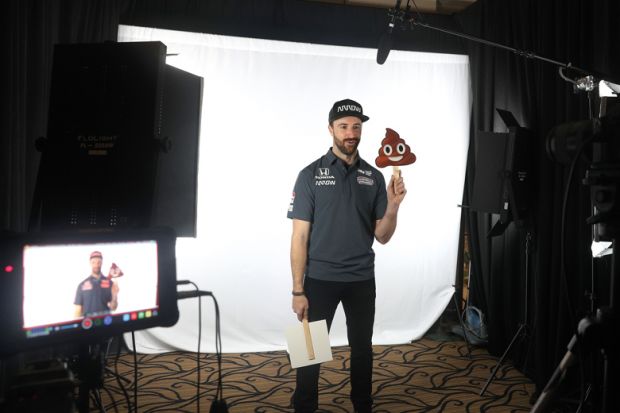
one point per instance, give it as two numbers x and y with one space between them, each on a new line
344 149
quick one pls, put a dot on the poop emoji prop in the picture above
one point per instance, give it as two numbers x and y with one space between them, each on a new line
115 271
394 152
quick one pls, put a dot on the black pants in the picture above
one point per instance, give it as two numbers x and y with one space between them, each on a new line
358 302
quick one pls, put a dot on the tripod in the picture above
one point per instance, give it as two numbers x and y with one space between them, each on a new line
522 333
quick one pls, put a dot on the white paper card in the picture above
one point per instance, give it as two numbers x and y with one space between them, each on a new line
296 343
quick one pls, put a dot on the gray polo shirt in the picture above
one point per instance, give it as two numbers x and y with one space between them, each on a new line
342 204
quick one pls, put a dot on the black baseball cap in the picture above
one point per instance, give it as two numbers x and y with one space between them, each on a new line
346 107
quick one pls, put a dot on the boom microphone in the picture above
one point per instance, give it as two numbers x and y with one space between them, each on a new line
385 41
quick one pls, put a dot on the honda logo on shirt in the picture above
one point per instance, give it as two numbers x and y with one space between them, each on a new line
323 171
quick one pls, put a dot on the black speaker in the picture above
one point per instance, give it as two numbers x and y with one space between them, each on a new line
502 179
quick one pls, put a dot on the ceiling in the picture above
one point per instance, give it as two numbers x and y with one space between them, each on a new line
423 6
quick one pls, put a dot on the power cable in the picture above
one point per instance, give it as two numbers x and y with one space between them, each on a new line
219 404
135 373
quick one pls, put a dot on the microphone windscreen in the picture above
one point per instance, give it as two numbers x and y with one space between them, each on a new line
385 45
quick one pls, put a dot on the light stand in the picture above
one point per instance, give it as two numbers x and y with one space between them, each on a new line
522 333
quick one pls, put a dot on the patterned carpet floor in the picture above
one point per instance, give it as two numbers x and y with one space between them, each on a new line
424 376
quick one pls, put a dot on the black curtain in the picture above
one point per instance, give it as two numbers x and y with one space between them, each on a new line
31 29
573 31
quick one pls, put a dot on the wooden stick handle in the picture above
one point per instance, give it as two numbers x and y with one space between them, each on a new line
309 346
396 171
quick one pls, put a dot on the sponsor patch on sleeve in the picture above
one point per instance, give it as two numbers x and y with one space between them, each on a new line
290 206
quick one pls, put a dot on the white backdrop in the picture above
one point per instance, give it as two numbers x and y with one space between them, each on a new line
265 106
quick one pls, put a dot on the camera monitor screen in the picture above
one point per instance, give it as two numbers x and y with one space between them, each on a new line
91 286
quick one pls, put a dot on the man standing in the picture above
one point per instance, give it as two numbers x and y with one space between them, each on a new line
340 205
97 294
